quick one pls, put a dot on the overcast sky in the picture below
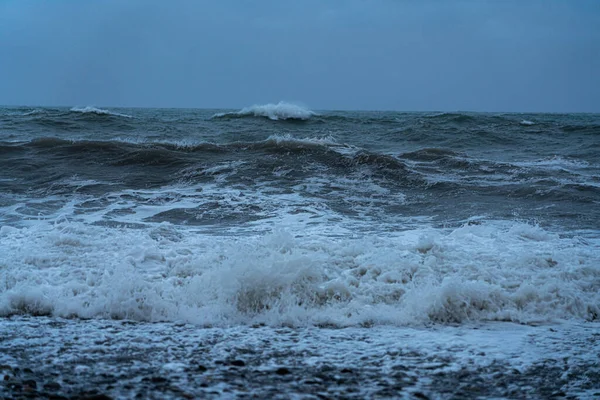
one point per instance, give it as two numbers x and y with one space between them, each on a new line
347 54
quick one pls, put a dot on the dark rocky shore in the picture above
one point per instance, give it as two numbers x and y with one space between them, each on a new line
59 359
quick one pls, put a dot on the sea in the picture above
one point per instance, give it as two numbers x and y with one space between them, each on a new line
282 252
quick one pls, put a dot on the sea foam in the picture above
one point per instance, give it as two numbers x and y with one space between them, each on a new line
487 272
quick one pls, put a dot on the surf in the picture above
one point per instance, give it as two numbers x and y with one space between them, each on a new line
276 112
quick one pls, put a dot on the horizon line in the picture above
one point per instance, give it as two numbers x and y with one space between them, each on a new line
292 103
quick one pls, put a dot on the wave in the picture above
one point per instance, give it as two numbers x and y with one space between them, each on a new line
428 169
553 163
488 271
287 142
275 112
592 128
454 117
429 154
35 111
291 141
488 120
98 111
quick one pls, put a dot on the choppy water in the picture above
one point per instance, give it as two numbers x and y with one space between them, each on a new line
276 216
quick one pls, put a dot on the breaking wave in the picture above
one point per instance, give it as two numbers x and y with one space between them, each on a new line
527 122
481 272
288 140
98 111
275 112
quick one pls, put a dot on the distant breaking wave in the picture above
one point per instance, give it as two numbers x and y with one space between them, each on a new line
32 112
275 112
98 111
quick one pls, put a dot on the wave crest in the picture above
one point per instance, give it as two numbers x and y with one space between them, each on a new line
275 112
98 111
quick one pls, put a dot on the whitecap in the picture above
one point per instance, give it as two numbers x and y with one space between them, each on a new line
98 111
275 112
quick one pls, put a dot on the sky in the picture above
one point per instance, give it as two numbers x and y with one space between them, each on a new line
523 56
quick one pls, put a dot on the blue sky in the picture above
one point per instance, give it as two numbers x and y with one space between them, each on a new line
372 55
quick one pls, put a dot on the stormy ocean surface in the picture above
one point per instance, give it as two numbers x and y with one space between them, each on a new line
279 252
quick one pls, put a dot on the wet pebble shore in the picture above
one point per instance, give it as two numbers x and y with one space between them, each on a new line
105 359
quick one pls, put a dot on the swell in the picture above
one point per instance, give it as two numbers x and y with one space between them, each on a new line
272 112
384 118
453 117
516 123
591 128
429 154
297 153
163 163
275 143
52 143
73 120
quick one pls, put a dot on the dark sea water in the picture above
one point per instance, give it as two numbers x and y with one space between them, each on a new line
277 251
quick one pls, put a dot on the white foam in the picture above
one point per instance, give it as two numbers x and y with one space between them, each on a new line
527 122
289 139
493 271
518 359
204 197
328 141
98 111
581 172
555 162
279 111
221 171
33 112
